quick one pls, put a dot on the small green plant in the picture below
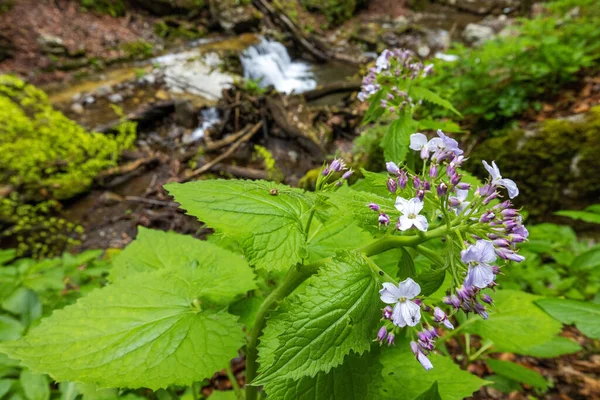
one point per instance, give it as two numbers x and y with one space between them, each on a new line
138 49
336 11
274 173
509 75
114 8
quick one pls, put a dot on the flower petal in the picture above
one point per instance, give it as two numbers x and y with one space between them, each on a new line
511 187
485 251
494 172
420 222
397 317
422 358
390 293
416 205
417 141
480 275
462 194
408 288
411 312
405 222
401 204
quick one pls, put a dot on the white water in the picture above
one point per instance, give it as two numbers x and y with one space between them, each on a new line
210 117
270 63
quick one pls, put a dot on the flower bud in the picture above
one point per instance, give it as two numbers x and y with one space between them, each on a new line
514 238
508 254
416 182
509 213
382 334
463 186
387 312
390 339
384 219
487 217
455 179
420 194
325 171
491 197
347 174
452 300
442 189
426 185
501 242
486 298
402 179
337 165
392 185
383 103
392 168
433 171
374 207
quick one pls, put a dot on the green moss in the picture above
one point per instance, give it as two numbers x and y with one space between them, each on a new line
114 8
336 11
309 180
138 49
45 157
554 165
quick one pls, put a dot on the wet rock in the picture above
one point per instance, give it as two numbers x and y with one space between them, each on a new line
110 198
51 44
477 34
104 90
239 19
87 100
116 98
186 114
77 108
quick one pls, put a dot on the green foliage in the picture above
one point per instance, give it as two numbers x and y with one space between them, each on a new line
274 173
138 49
335 11
313 331
518 373
584 315
114 8
556 264
510 74
404 379
395 142
591 214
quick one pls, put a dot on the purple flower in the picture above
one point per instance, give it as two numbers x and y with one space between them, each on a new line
338 165
405 312
402 179
347 174
390 339
374 207
463 186
384 219
458 202
497 180
487 217
392 168
419 142
440 317
382 334
410 210
392 185
508 254
442 189
478 257
387 312
421 357
433 171
452 300
486 298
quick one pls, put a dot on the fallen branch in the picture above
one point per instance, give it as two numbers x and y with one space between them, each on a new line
152 201
126 168
142 116
227 140
241 172
225 155
336 87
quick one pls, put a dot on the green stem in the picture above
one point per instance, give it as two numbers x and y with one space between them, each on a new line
234 383
479 352
390 242
310 218
432 255
292 280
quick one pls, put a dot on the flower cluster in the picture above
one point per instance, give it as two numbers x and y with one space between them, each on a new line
337 166
393 65
475 219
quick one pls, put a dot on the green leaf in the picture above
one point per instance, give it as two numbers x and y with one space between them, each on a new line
329 237
585 216
556 347
396 140
430 281
588 260
25 303
518 373
155 250
503 384
337 313
148 330
35 386
403 378
5 386
7 255
68 390
515 312
349 381
355 203
432 125
417 92
375 111
10 328
223 395
406 266
585 315
265 218
430 394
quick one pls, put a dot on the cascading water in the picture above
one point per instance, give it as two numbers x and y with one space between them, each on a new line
270 63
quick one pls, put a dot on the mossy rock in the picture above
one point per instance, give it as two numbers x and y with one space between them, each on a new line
555 164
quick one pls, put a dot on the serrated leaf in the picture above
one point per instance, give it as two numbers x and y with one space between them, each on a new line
312 332
155 250
430 281
267 219
515 311
518 373
397 138
421 93
403 378
337 234
585 315
406 266
349 381
143 331
353 202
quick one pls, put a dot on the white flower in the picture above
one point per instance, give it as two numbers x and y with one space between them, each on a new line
497 180
406 312
410 217
478 257
417 141
459 200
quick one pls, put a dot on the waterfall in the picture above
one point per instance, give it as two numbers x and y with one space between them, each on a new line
270 63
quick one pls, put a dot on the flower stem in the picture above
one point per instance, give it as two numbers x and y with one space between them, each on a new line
296 275
234 383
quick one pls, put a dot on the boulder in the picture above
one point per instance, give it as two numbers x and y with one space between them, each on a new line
51 44
477 34
239 19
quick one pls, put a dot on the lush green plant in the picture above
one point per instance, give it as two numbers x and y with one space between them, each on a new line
336 11
510 74
114 8
138 49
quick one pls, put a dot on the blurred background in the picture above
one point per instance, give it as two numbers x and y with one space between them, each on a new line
104 101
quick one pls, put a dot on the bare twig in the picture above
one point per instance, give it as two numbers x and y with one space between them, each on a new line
153 202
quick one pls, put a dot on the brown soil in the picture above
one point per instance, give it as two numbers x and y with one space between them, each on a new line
99 35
